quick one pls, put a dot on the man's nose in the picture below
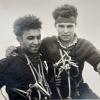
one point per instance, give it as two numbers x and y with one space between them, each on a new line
36 41
65 30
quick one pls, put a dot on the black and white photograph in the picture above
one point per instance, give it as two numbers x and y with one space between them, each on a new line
49 49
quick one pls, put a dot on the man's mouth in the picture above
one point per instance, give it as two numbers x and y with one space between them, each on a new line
65 35
34 46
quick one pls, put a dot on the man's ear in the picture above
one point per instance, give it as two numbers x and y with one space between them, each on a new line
76 24
54 24
19 38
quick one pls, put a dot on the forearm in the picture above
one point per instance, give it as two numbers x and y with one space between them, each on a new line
98 68
4 94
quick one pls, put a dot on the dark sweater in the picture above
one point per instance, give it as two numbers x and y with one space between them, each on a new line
82 51
15 73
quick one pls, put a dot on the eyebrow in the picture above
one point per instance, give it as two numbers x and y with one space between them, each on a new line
65 25
61 25
39 36
69 25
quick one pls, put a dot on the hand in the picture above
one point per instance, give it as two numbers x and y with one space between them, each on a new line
3 94
98 68
10 51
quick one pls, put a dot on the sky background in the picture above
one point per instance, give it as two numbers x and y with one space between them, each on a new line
88 26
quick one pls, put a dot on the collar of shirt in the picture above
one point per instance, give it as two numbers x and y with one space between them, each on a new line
71 44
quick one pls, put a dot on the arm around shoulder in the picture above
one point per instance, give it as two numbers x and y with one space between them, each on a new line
98 68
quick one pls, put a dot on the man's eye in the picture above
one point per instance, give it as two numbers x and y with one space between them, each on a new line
30 38
69 26
38 37
62 26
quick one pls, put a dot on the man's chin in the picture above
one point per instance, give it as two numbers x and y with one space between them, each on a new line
34 50
66 40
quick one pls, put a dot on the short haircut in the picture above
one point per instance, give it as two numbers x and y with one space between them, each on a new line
65 11
26 23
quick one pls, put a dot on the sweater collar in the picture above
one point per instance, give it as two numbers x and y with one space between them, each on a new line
70 45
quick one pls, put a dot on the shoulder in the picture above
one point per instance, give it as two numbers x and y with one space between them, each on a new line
85 48
49 39
48 42
84 43
9 63
7 60
5 64
48 45
82 40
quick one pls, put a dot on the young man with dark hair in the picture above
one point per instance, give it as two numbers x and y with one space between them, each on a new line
23 74
66 55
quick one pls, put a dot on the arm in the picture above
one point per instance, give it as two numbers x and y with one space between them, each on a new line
93 56
43 50
3 94
11 51
98 68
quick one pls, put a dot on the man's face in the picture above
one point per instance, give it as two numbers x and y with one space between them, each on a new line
65 31
31 40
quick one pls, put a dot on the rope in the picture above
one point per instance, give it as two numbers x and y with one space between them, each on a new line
67 63
31 66
40 77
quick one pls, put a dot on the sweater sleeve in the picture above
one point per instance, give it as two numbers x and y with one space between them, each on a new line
43 50
92 54
2 73
5 71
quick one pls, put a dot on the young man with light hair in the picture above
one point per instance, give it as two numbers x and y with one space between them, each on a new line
66 55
